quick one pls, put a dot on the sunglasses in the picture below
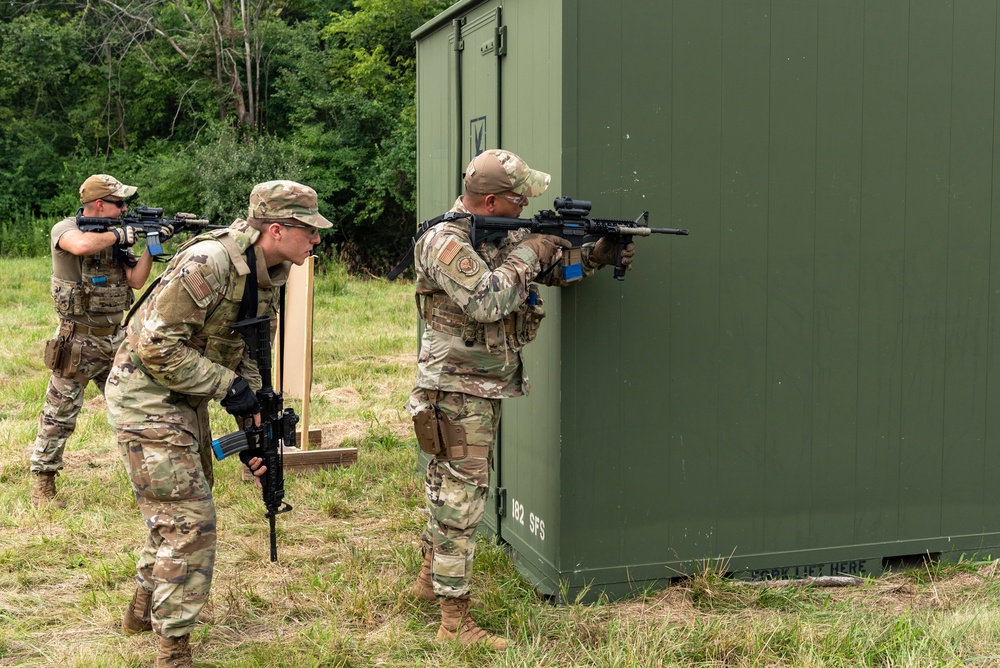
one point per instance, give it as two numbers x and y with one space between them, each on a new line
301 227
120 203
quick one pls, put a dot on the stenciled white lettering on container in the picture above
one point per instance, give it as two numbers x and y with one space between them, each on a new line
536 525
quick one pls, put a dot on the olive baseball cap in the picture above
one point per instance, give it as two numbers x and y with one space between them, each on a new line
497 171
286 199
99 186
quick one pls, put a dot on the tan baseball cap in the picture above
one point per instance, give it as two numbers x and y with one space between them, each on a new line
497 171
104 185
286 199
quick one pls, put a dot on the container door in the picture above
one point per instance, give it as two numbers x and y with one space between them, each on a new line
479 49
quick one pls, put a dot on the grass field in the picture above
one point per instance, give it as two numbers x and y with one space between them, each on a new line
349 551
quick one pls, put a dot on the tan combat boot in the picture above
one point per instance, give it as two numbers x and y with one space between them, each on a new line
423 588
44 489
137 618
457 625
174 653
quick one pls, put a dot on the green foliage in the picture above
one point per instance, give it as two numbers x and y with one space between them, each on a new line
214 178
27 237
142 91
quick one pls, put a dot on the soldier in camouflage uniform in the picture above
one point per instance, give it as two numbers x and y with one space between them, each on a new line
180 352
93 274
480 310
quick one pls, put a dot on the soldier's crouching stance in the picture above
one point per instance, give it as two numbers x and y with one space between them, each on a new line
180 352
480 310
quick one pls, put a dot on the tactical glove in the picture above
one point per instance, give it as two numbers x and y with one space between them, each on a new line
240 400
126 236
166 231
546 247
603 252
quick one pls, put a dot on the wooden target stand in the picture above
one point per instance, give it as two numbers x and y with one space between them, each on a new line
293 376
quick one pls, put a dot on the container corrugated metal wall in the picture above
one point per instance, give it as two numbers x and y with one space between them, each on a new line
802 386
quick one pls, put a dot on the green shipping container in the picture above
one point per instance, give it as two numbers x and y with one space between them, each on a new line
806 385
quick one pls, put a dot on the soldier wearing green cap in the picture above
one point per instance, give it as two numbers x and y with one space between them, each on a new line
180 352
481 308
93 275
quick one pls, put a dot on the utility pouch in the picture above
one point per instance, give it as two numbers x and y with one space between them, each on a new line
425 425
528 318
54 353
102 298
67 297
72 354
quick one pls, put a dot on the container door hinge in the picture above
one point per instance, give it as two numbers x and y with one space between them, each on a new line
501 41
501 497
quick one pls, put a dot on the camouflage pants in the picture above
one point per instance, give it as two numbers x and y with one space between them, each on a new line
456 491
167 468
64 397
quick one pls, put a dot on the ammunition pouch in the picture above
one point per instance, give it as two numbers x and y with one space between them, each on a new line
73 298
512 332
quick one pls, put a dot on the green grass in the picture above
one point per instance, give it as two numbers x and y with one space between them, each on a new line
349 551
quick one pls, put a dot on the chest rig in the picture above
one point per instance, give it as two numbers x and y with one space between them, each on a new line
102 289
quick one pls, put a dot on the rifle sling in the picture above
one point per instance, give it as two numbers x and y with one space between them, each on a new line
407 258
248 305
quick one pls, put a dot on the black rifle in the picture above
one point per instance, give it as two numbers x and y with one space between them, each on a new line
569 220
277 427
147 221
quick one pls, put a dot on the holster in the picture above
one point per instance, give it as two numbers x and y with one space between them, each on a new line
57 349
440 437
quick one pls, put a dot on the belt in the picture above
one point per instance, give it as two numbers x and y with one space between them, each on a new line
95 331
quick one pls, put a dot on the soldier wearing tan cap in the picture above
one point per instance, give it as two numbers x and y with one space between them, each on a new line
180 353
93 274
481 308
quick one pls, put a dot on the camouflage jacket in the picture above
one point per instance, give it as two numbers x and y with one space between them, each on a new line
179 346
475 303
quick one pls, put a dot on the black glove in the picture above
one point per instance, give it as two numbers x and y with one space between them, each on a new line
240 399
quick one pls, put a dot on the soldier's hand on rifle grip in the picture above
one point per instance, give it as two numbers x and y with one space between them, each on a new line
166 231
628 254
255 464
546 247
240 400
126 236
603 252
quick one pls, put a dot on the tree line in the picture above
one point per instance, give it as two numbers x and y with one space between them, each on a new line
194 101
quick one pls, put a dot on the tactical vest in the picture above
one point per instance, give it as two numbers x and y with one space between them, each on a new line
102 291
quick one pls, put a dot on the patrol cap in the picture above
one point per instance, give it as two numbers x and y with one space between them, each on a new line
497 171
104 185
286 199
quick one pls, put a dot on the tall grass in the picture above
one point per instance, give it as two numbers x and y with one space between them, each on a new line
349 550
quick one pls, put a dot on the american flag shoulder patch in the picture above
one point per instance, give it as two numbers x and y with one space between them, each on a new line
449 251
